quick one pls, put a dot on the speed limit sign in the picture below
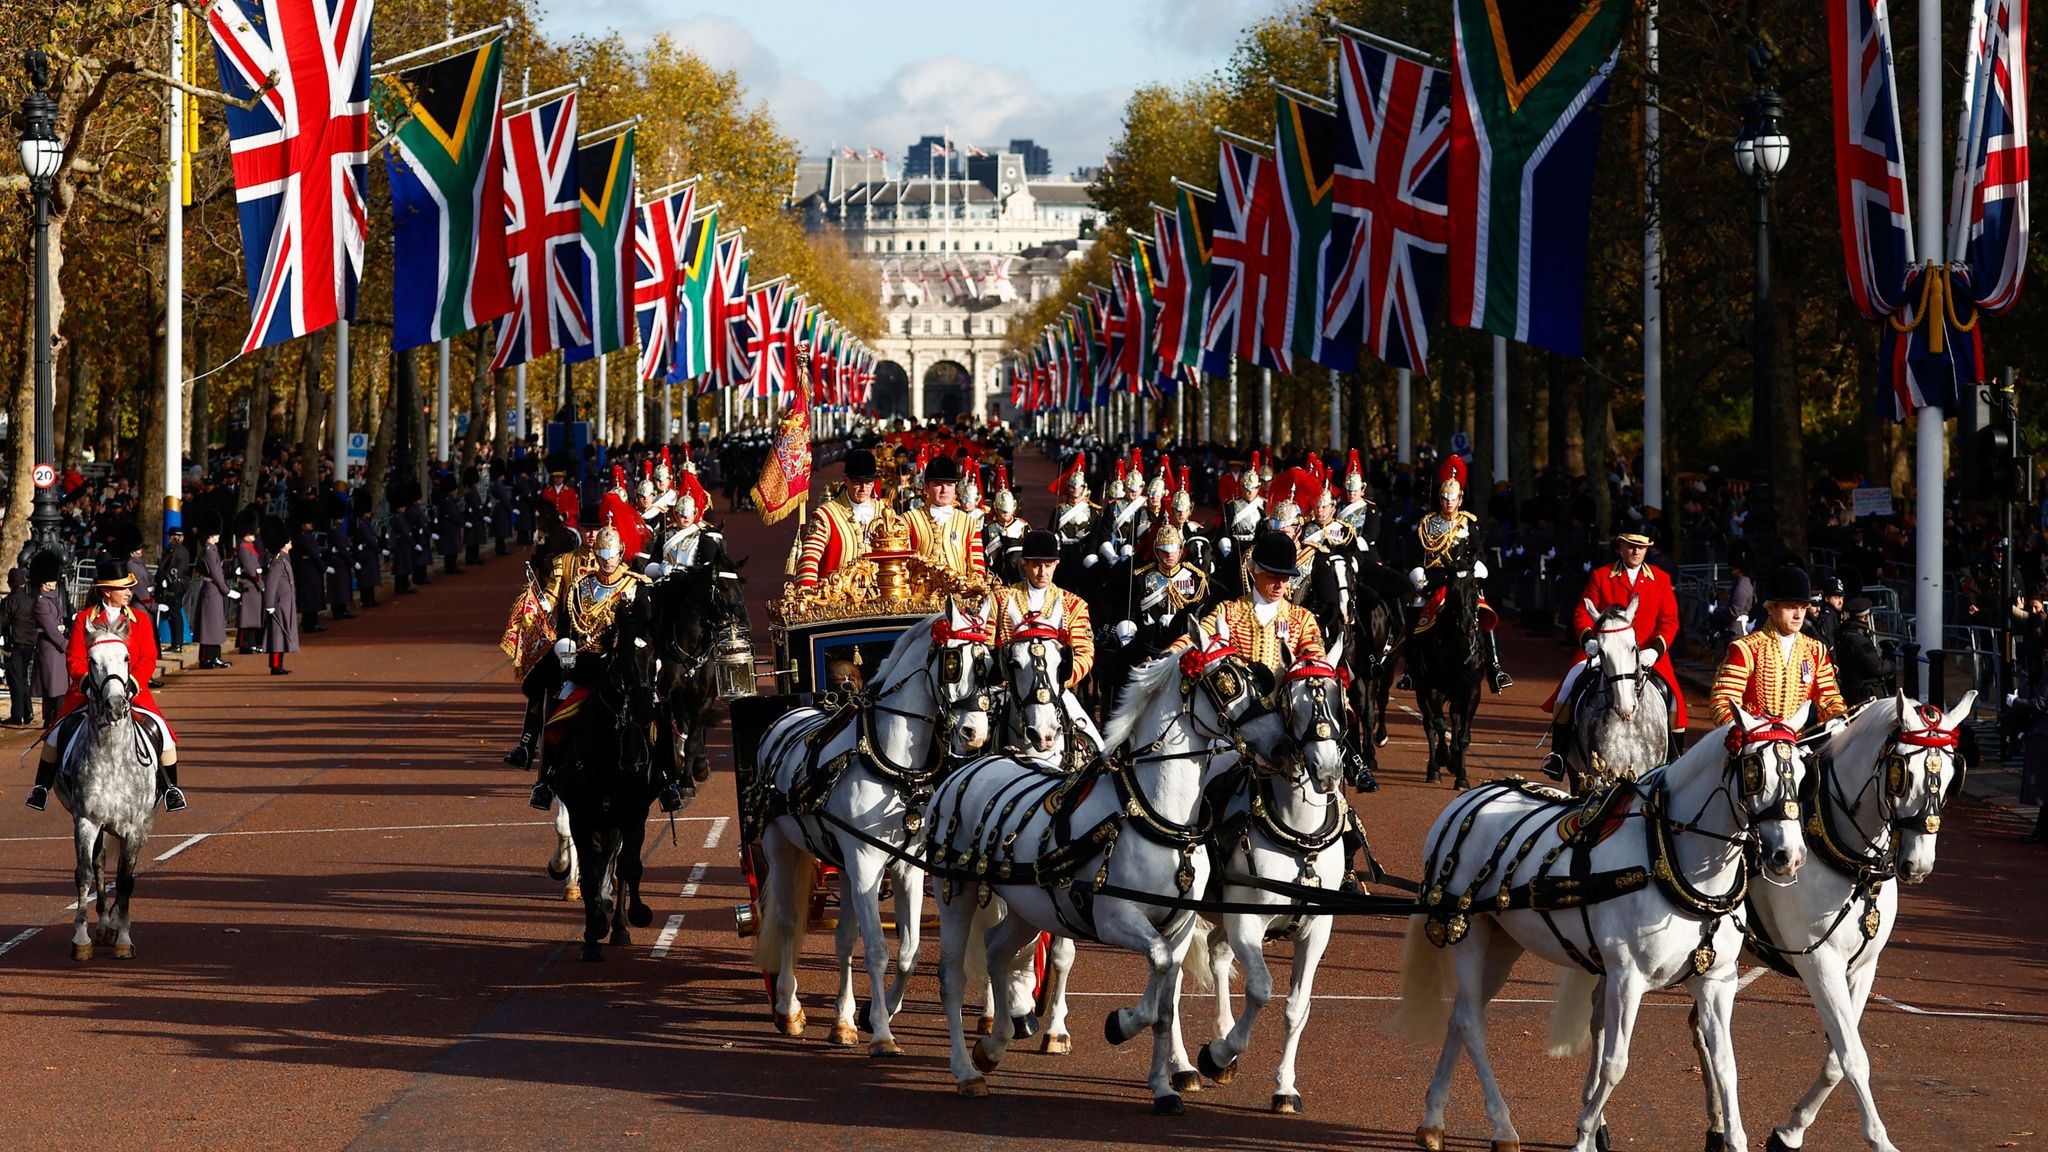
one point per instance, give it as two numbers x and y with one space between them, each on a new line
45 475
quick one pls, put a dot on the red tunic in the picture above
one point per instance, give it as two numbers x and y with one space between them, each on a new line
563 497
141 663
1656 621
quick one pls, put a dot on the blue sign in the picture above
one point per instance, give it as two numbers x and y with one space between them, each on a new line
1461 444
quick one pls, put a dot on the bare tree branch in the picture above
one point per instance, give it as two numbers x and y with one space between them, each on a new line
107 68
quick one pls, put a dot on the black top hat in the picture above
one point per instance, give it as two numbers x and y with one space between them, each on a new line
1040 544
1788 583
942 470
111 571
44 567
1274 553
860 464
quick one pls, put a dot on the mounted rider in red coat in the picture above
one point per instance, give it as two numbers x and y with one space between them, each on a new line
1630 577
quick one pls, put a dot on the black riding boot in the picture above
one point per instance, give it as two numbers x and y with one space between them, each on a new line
1561 735
1676 747
671 777
529 735
46 775
167 787
1496 676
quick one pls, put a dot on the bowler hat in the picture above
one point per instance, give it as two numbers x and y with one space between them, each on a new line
1040 544
860 464
1789 582
942 470
1274 553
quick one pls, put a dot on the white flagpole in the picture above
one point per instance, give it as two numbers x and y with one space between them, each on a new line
519 428
639 409
1653 274
174 291
1265 405
1336 412
441 420
1500 408
340 421
604 428
1931 431
1233 399
1404 417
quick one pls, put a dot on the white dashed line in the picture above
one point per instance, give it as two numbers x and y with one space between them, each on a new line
711 838
189 841
717 820
1917 1011
667 937
696 877
20 936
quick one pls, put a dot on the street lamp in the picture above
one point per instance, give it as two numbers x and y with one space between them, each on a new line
1761 152
41 155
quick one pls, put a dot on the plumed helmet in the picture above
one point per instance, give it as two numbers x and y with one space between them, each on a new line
1158 489
1168 536
606 542
689 464
1284 513
1354 477
1137 473
1250 480
1450 477
1265 468
1077 480
1115 491
619 479
1005 501
664 471
970 489
686 505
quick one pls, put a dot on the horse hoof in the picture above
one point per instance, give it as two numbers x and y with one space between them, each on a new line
1600 1141
1286 1103
1462 783
592 952
80 953
791 1025
1023 1027
885 1047
845 1035
1431 777
1380 741
983 1062
1430 1139
1777 1144
1168 1105
1717 1142
1113 1031
1187 1081
1219 1072
639 915
974 1089
619 938
124 951
986 1026
1060 1045
573 892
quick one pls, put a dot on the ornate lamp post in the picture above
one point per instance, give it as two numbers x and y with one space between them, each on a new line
41 154
1760 153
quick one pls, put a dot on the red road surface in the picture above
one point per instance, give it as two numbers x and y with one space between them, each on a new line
362 951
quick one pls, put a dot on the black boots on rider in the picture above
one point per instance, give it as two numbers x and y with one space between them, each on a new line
46 775
166 784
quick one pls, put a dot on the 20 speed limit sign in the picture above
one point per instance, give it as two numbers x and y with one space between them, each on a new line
45 475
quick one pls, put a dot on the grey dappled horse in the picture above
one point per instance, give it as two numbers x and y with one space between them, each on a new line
109 786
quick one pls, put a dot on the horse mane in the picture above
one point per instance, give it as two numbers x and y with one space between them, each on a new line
1147 682
916 638
1610 613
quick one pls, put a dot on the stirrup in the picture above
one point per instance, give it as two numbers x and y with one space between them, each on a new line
542 797
1553 767
671 797
1502 682
521 755
174 799
38 796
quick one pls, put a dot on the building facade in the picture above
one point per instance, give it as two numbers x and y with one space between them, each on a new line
960 262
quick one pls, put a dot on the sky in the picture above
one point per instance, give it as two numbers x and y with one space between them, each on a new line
862 74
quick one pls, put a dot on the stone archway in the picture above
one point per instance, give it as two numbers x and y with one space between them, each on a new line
947 390
891 391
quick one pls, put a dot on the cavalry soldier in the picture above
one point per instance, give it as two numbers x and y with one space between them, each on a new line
112 589
970 497
1264 625
1165 593
1656 627
692 541
1327 589
940 532
617 511
1448 544
1243 516
1129 518
1775 669
838 532
1037 602
1074 520
559 491
1002 536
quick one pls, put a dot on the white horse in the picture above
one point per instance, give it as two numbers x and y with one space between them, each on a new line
109 786
1872 809
1644 912
1132 826
867 777
1286 826
1623 725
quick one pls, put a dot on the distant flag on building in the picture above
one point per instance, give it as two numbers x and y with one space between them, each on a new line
447 175
300 155
1525 126
543 235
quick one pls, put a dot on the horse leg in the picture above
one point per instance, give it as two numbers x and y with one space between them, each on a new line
846 1015
861 894
629 908
1005 938
1167 1055
1222 958
86 841
1246 935
956 923
1710 1079
124 888
1461 739
1483 967
1308 953
1059 963
1426 703
1839 997
596 914
562 865
1624 995
909 930
785 916
1184 1076
105 902
1714 999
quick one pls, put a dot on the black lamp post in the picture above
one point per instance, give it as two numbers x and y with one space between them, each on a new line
1760 153
41 154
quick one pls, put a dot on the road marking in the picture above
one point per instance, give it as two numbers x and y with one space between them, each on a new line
711 838
20 936
1918 1011
696 877
190 841
717 820
667 937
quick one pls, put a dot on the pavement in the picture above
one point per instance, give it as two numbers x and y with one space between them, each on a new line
348 942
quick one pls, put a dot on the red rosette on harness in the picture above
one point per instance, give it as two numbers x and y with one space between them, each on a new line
1195 663
973 630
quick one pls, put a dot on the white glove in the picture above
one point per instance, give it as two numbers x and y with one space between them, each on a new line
1108 551
2012 698
1126 632
270 611
1089 560
1223 545
1591 646
233 594
1417 578
1127 550
163 608
1834 726
330 571
1479 569
1649 658
387 553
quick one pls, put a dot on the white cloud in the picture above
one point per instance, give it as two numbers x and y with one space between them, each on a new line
1205 29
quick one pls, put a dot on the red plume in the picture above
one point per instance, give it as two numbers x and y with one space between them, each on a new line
1059 484
1255 460
1183 486
1137 459
1002 477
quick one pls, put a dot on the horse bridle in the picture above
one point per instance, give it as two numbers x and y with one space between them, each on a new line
96 684
1608 677
1324 721
1895 780
1049 677
974 633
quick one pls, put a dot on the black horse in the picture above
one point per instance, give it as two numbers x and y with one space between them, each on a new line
602 768
691 609
1449 669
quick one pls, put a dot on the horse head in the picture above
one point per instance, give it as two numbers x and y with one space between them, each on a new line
1231 698
1922 766
109 686
1035 665
1313 703
1621 663
962 665
1769 766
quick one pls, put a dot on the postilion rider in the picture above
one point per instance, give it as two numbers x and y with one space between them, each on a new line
1264 625
1038 607
113 587
1630 577
1775 669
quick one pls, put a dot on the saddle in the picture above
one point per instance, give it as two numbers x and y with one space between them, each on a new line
565 710
1433 605
1602 816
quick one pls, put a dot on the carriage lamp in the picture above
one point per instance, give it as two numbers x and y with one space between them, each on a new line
732 664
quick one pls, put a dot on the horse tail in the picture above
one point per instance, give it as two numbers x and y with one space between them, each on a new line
1571 1015
1424 1009
1195 961
785 909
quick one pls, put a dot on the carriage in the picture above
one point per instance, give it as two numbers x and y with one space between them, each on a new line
826 638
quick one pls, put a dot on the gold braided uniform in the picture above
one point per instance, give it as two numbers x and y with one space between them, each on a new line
1759 676
954 546
1065 610
1293 635
593 603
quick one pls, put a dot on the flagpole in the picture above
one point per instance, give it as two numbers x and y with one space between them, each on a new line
1931 439
174 292
1500 408
604 428
441 419
640 408
1233 399
340 421
1265 405
1404 418
1653 275
1336 411
519 370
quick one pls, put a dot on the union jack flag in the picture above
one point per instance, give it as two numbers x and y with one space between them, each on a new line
543 235
732 328
1251 254
764 345
1390 228
1870 163
1988 223
300 155
660 232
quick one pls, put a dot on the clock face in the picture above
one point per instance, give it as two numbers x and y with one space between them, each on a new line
1010 172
